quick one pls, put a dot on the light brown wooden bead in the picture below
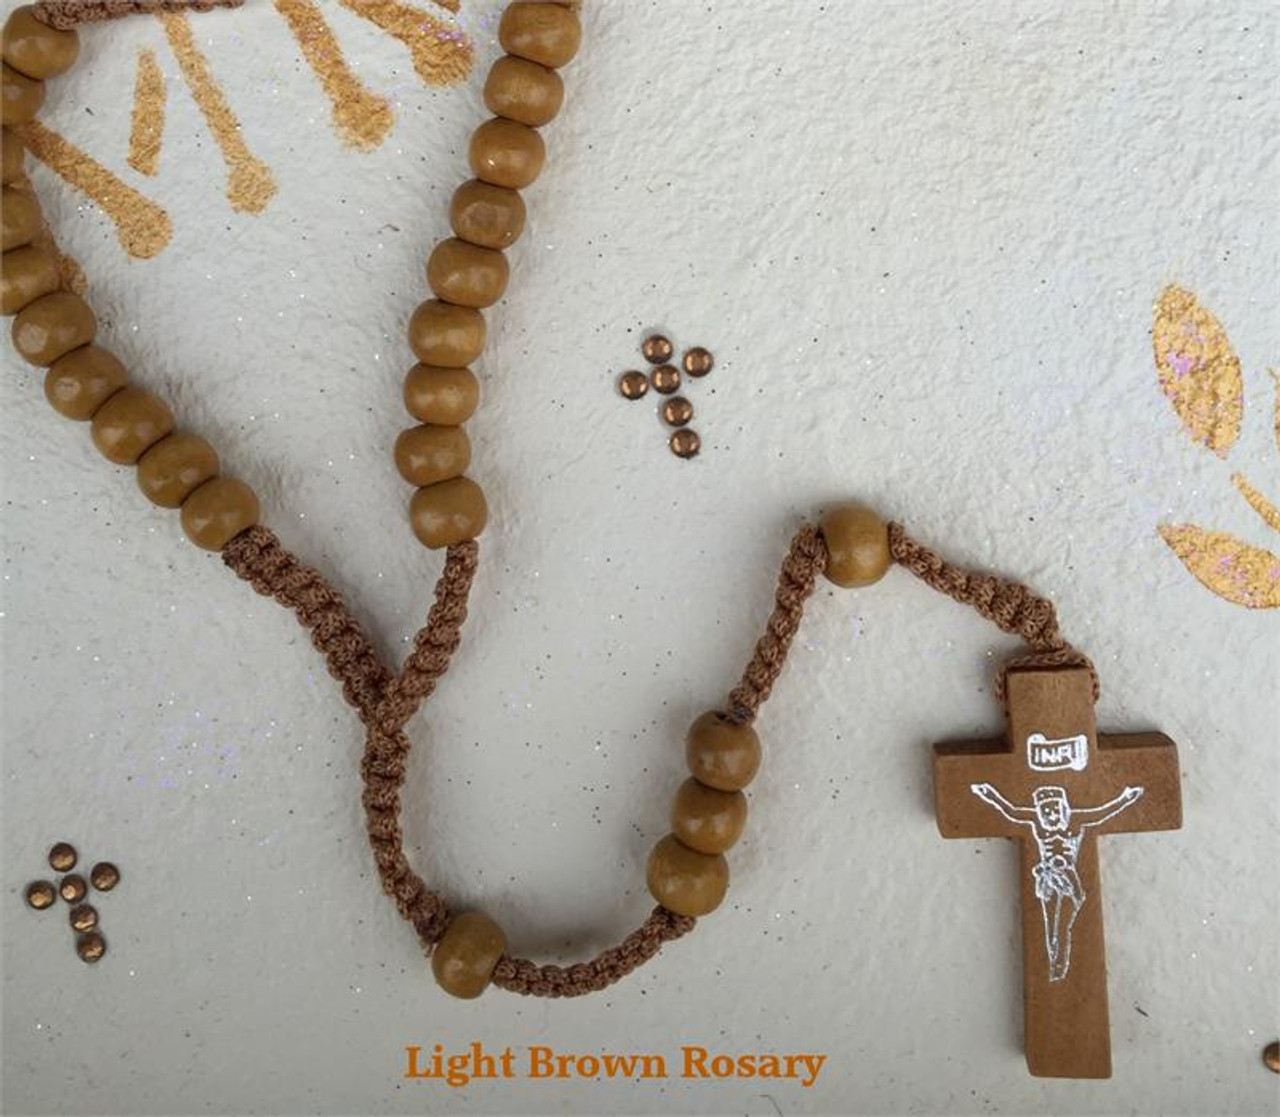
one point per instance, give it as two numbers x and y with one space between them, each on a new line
19 219
685 881
466 274
129 424
21 97
721 754
508 154
546 33
13 155
464 959
82 381
53 326
524 91
428 454
707 820
448 513
445 397
446 335
175 467
36 49
218 511
487 215
25 275
857 546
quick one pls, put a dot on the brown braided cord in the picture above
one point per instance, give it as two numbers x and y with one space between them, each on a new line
66 15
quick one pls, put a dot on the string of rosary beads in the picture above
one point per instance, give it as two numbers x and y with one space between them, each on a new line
54 328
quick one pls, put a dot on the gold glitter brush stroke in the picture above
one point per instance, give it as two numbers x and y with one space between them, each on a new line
147 131
143 227
1259 503
442 54
250 184
1234 570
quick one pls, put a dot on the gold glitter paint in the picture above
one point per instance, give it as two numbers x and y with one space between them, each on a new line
1235 571
147 131
362 117
1198 370
1275 418
442 54
142 226
250 185
1259 503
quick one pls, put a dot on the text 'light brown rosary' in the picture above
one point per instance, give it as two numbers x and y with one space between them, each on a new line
55 329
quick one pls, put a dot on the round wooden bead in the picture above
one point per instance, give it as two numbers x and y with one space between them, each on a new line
445 397
218 511
707 820
524 91
508 154
21 97
487 215
722 754
53 326
857 546
26 274
19 219
685 881
41 894
546 33
448 513
82 381
466 274
175 467
464 959
446 335
12 155
428 454
129 424
36 49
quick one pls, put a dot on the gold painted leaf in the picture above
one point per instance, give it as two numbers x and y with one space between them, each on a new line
1198 370
1235 571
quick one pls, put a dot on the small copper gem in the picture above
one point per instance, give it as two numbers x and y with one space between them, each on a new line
666 379
1271 1056
84 917
657 349
677 411
104 876
633 385
63 858
91 946
41 894
73 888
685 444
698 362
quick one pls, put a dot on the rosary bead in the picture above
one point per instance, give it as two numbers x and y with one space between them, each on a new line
26 274
857 546
53 326
546 33
36 49
448 513
466 274
428 454
13 155
129 424
82 381
487 215
707 820
218 511
175 467
721 754
524 91
504 153
21 97
685 881
445 397
445 335
19 219
464 959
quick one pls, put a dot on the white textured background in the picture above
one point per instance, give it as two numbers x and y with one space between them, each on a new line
924 241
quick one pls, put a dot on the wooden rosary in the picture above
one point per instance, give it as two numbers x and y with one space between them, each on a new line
1054 783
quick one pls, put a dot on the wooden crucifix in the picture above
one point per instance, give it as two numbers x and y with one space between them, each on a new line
1056 785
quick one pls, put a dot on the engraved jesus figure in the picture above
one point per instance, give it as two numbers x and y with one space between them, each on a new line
1059 830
